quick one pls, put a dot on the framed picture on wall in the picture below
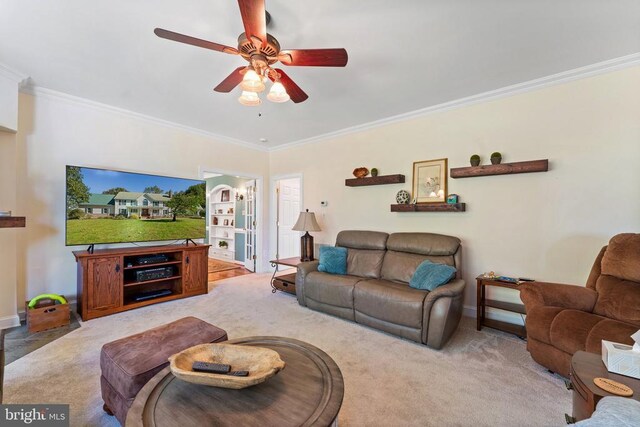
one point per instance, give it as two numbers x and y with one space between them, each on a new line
430 181
224 195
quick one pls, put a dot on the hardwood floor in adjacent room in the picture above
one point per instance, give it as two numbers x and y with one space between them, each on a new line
219 270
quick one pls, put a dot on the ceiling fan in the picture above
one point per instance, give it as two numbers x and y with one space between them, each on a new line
262 50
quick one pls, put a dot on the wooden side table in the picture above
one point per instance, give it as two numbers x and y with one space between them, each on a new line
586 395
286 282
483 302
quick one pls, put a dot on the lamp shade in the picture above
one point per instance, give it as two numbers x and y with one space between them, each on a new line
307 222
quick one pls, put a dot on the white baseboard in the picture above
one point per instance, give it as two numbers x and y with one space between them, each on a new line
9 321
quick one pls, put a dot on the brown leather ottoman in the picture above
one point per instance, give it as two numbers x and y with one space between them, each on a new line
128 363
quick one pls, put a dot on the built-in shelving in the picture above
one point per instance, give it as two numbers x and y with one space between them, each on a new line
501 169
374 180
12 221
430 207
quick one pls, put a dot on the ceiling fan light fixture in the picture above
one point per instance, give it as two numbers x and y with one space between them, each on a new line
249 98
251 82
278 93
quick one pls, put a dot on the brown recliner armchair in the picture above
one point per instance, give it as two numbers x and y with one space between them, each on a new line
562 319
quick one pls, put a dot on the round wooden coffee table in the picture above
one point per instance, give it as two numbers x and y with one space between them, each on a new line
308 392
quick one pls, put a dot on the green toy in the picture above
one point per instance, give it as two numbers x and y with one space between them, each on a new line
54 297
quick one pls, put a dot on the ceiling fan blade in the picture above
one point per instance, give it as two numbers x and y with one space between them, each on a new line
254 19
297 95
177 37
314 57
231 81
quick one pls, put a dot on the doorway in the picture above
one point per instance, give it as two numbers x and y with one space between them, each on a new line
231 213
288 202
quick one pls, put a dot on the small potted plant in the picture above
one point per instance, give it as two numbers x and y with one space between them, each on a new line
223 244
496 158
374 171
475 160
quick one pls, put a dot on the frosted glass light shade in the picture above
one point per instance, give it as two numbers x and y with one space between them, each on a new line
251 82
250 99
278 93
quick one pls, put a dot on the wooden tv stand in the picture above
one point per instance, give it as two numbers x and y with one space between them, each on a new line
107 277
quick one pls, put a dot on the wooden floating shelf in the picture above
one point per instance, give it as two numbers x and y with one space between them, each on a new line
12 221
430 207
374 180
501 169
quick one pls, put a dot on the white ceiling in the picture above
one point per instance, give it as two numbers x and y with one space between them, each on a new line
403 55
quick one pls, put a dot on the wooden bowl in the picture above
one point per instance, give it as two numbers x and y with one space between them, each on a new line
360 172
262 364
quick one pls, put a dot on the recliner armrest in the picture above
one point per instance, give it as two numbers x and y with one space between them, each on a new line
442 311
301 276
557 295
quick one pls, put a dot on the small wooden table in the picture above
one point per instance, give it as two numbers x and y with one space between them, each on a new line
586 395
307 392
286 282
483 302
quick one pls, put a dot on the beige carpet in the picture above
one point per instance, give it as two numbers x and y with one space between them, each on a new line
481 378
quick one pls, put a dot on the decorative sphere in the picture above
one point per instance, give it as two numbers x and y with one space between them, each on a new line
403 196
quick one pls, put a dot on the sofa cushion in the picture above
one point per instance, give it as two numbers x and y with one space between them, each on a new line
539 320
400 266
618 299
423 243
392 302
364 263
622 257
610 330
570 329
358 239
333 260
429 275
330 288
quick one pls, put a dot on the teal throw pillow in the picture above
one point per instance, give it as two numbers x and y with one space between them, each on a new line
429 275
333 260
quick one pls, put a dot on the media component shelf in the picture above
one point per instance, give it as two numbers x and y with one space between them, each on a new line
115 280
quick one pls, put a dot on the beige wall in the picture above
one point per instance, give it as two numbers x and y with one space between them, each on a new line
8 126
545 225
54 132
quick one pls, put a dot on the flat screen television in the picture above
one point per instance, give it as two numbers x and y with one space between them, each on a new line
110 206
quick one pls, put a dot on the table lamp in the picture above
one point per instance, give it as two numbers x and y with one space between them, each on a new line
306 222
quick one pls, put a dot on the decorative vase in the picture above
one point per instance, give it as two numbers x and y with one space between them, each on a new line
402 198
475 160
374 172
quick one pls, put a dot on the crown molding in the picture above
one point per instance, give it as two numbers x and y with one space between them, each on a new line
39 91
13 75
531 85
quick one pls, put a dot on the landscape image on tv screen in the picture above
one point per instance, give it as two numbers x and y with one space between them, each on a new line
107 206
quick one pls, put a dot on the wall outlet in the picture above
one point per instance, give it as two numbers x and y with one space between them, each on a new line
324 204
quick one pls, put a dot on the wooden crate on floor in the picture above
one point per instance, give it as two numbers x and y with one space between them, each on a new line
47 317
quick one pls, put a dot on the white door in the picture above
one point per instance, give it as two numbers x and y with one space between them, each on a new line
288 212
250 227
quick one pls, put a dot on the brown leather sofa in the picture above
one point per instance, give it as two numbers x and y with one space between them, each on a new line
562 319
376 292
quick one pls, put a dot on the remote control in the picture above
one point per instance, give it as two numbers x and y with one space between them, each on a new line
526 279
212 368
239 373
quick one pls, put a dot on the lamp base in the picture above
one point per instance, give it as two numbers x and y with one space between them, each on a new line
306 247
